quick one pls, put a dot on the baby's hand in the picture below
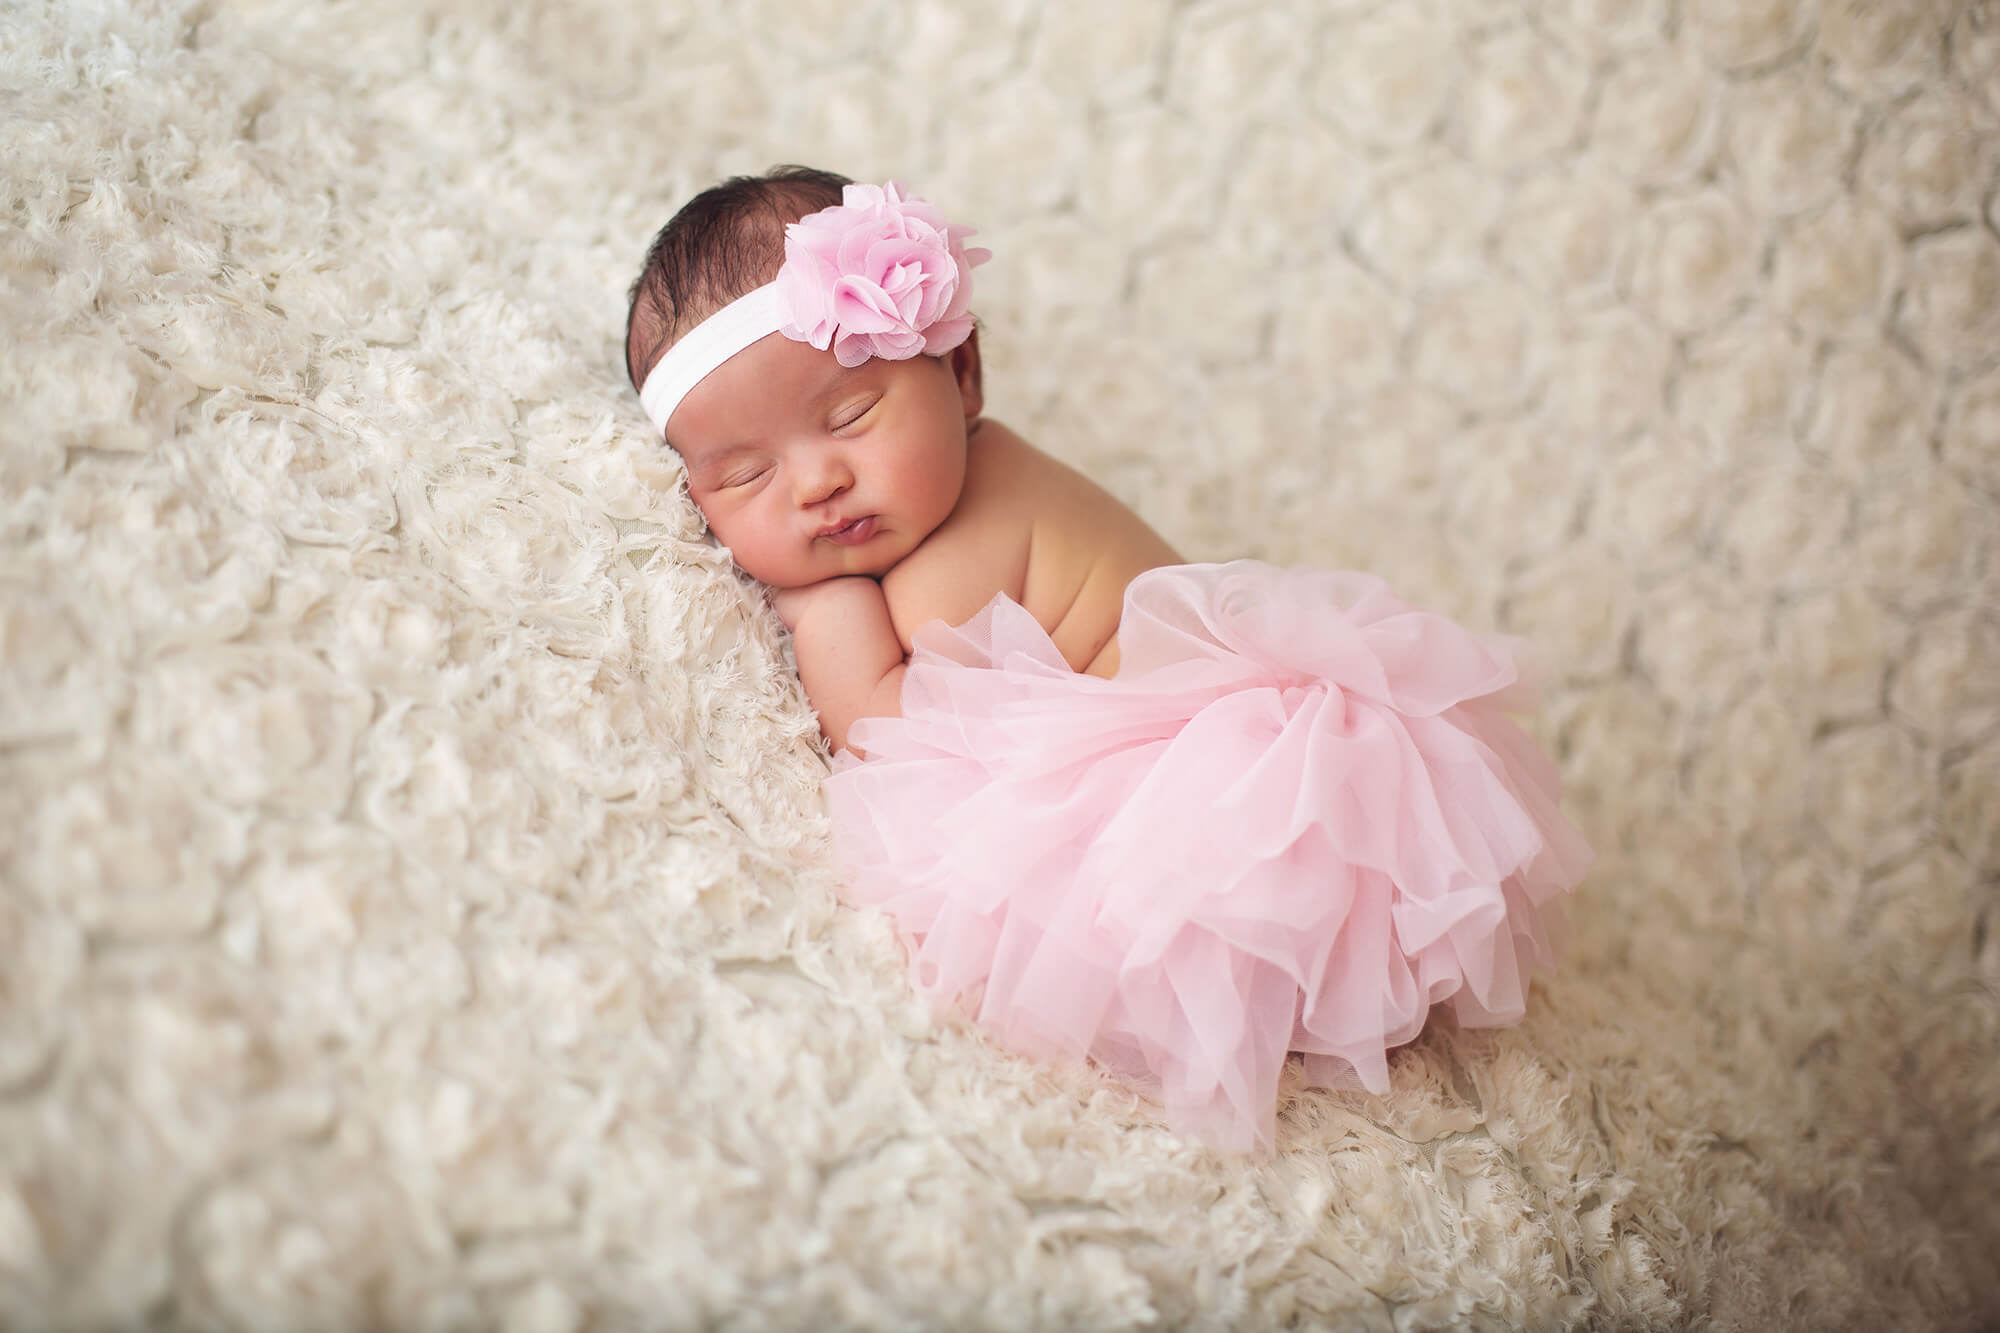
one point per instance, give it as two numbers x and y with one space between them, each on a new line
793 604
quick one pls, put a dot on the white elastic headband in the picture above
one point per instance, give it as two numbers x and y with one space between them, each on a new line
706 346
880 273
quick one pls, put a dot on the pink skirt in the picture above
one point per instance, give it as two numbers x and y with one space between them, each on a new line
1295 820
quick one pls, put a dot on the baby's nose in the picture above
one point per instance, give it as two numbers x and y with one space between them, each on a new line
825 479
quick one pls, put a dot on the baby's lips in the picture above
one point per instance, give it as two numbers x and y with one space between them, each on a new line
851 533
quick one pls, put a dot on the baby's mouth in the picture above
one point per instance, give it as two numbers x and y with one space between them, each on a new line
852 533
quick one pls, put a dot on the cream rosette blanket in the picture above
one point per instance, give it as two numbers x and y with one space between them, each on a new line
414 904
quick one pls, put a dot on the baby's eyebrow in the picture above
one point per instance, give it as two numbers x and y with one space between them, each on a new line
840 377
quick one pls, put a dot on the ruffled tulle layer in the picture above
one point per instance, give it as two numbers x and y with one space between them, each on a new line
1296 820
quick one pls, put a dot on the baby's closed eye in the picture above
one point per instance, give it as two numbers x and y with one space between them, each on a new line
851 412
739 477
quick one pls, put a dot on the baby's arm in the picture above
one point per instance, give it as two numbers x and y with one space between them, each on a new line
850 660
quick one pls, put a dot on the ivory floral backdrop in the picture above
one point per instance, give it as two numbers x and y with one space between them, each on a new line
416 911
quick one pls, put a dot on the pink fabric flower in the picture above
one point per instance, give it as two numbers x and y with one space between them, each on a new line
879 274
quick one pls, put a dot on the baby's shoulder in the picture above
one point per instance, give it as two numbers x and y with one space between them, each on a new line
998 455
1009 479
1001 467
1072 521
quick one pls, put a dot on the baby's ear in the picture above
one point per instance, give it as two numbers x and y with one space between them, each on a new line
964 362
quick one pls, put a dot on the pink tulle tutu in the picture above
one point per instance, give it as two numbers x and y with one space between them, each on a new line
1296 819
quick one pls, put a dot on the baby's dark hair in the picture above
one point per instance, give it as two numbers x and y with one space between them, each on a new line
727 240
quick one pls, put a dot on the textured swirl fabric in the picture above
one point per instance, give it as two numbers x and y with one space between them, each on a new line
1297 819
414 904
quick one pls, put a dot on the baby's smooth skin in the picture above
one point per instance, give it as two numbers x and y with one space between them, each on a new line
877 499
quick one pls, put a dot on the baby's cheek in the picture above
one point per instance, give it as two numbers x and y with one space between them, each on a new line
767 553
942 481
728 522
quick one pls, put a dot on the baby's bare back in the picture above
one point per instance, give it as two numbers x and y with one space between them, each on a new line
1039 531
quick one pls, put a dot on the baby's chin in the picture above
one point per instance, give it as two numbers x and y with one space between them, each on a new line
782 579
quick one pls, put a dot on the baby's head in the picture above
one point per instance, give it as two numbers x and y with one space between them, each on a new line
804 344
726 241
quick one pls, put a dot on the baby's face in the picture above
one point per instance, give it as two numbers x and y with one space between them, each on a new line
807 470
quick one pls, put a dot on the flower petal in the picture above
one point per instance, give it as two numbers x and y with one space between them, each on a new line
879 274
